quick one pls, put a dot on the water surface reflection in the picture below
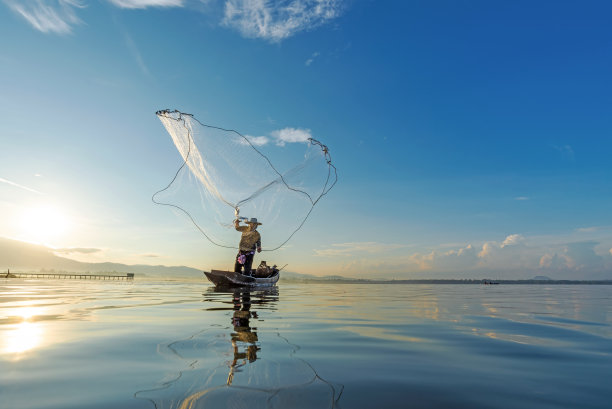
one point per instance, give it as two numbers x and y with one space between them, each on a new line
244 337
227 366
91 345
23 330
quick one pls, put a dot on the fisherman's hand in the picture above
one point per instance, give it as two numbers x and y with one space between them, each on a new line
259 249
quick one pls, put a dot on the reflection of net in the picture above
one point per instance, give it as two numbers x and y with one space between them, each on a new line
225 370
224 172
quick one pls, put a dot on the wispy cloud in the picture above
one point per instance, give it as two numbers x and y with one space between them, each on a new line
521 198
59 16
276 20
79 250
8 182
356 248
48 16
143 4
312 58
136 54
271 20
587 229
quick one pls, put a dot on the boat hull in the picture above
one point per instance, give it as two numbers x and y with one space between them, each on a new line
222 278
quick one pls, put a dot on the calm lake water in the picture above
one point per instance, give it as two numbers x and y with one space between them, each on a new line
181 344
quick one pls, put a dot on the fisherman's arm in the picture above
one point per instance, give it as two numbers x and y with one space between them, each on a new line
238 226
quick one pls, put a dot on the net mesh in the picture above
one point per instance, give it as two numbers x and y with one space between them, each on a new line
225 174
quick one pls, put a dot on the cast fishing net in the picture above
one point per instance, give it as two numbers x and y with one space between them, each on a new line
277 179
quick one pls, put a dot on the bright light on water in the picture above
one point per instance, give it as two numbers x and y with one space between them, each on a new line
22 336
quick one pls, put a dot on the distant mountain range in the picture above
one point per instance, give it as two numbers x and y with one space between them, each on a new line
20 256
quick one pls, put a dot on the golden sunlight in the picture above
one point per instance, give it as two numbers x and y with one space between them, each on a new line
42 223
25 335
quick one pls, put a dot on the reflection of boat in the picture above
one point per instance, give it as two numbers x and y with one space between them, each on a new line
222 278
257 368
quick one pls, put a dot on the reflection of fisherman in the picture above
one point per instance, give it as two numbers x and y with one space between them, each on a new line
243 334
249 242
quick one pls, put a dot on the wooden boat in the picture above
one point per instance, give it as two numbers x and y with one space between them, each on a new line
222 278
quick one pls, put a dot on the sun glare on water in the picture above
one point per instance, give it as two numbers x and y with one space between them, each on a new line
43 223
24 335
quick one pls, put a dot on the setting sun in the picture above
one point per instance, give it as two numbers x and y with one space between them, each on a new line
44 222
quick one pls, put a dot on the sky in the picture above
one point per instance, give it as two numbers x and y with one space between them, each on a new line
471 138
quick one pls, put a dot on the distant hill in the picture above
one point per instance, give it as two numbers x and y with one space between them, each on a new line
20 256
288 276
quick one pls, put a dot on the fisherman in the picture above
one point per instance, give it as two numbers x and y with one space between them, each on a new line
249 242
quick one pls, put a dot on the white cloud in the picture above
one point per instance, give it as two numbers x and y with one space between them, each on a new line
452 260
312 58
564 256
48 16
517 255
279 137
512 240
143 4
276 20
521 198
291 135
487 249
256 140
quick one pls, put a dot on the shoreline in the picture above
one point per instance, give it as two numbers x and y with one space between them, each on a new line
449 281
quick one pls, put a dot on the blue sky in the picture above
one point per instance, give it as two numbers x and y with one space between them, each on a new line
471 138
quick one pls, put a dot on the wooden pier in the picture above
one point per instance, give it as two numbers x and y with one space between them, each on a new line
74 276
